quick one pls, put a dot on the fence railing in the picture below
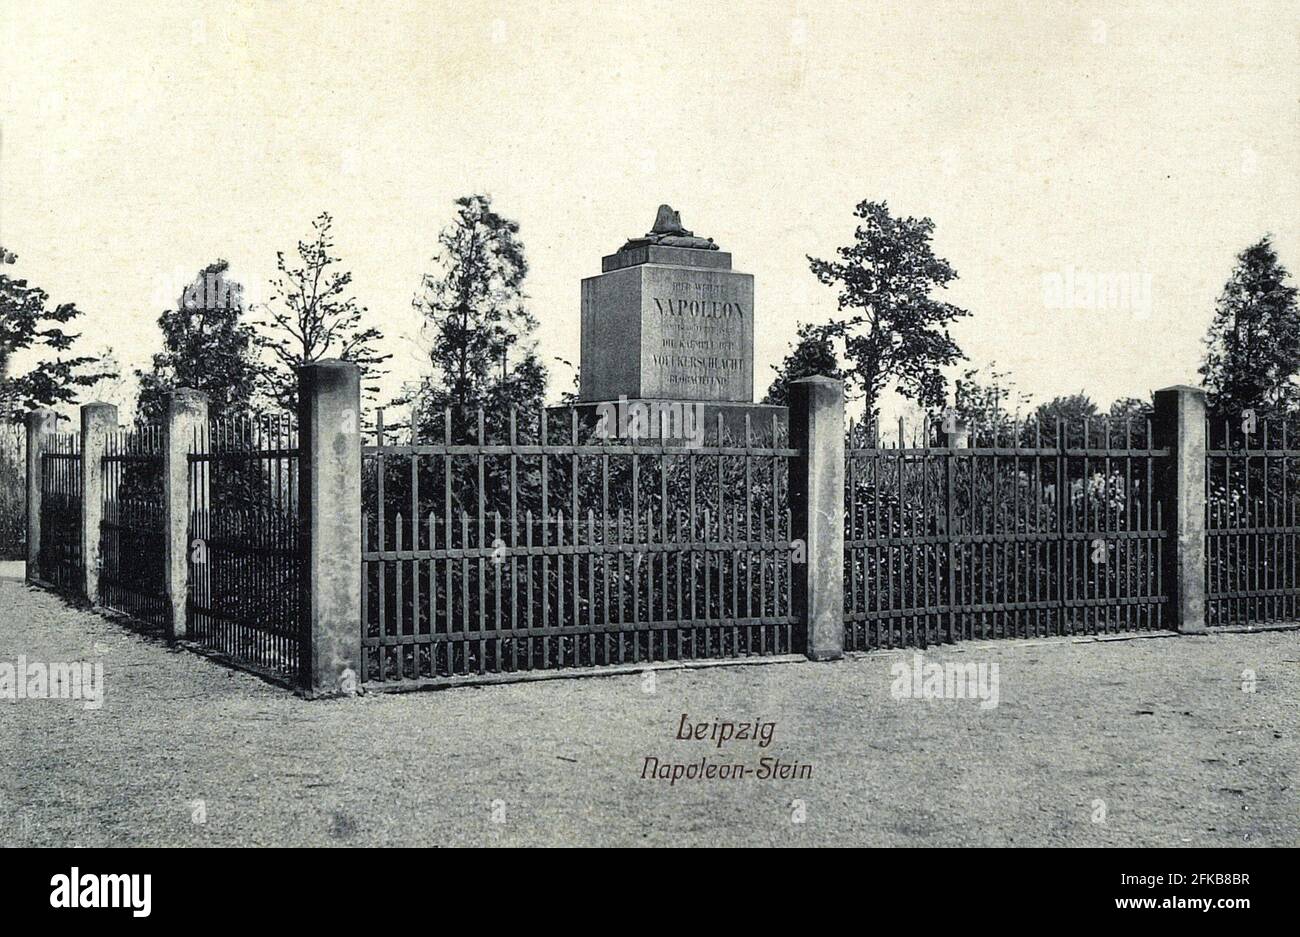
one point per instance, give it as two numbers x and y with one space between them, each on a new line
1252 476
60 510
1025 533
557 546
489 546
244 561
131 578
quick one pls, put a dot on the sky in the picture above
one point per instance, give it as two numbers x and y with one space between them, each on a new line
1051 143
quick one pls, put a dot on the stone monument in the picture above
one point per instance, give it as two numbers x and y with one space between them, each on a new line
668 322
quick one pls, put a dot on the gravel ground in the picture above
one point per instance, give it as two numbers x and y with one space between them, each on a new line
1121 743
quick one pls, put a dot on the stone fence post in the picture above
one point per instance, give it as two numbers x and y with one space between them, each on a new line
39 424
817 512
185 414
329 517
1179 425
98 420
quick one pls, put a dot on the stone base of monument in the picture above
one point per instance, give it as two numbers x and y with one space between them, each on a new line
683 422
668 344
663 322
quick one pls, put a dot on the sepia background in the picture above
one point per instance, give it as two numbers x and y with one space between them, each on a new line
143 141
1052 143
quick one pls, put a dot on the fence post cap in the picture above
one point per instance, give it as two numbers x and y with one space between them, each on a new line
183 400
328 364
818 379
34 418
1182 389
186 393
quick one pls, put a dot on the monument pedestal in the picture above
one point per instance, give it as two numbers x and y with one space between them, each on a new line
665 323
668 343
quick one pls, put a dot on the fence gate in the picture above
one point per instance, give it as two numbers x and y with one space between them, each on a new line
60 556
542 543
244 561
131 526
1023 534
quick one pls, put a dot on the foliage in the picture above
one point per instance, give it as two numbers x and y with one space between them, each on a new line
1252 349
312 315
28 321
813 354
1131 407
895 330
13 492
569 396
207 346
1070 410
479 331
988 404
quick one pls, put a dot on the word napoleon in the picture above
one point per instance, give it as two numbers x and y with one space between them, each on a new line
103 891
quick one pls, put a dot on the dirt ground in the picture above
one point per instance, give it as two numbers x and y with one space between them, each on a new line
1120 743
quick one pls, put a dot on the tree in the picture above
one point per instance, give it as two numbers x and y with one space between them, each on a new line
812 354
207 345
119 388
479 336
1070 411
988 403
895 331
29 323
1253 346
479 331
1130 408
569 397
311 315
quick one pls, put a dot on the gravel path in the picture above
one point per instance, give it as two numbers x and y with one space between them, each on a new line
1122 743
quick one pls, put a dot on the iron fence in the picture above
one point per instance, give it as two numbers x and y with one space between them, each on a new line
1252 480
131 577
555 547
1019 534
60 547
495 545
244 561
